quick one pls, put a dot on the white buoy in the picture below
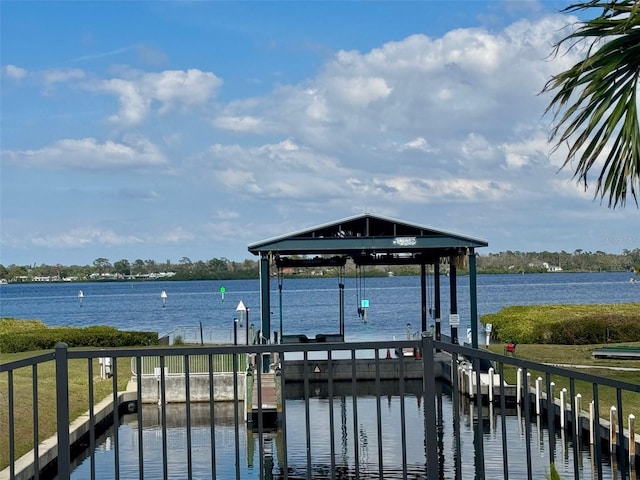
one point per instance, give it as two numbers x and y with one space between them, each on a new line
163 296
80 297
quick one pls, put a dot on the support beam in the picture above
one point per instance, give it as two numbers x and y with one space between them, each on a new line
423 295
454 319
265 296
473 298
436 295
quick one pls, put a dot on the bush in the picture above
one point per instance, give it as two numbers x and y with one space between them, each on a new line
566 324
13 325
94 336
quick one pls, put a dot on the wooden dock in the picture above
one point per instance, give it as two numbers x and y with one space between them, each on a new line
267 399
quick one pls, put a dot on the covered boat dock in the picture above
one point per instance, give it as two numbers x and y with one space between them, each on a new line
367 240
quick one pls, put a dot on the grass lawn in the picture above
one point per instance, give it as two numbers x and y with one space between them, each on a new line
568 355
23 399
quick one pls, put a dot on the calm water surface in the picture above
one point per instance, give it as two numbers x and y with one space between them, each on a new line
309 306
457 457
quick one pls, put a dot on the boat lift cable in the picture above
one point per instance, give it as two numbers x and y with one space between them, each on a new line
361 290
341 297
358 288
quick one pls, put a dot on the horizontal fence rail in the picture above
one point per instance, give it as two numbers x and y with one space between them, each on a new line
198 364
315 410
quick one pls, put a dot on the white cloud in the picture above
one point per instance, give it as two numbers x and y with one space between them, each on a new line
425 190
419 143
239 124
89 154
83 237
175 235
227 214
15 73
526 152
62 75
358 91
171 88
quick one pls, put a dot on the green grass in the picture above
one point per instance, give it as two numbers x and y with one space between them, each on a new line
568 355
23 399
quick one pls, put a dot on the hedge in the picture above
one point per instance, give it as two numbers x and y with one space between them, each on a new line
94 336
14 325
566 324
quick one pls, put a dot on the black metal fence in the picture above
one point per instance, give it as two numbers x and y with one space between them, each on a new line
439 361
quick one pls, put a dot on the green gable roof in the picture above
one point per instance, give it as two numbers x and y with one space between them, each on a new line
368 234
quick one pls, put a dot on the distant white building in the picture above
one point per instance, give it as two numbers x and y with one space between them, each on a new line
552 268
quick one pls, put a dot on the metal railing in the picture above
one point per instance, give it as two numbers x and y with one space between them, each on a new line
198 364
439 460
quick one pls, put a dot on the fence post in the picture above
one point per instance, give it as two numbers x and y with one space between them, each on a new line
429 386
62 411
563 407
613 429
632 441
577 414
491 385
591 422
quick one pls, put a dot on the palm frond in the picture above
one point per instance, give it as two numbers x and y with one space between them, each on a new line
595 107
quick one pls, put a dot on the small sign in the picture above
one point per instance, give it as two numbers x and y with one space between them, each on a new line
489 327
316 370
405 241
454 320
364 303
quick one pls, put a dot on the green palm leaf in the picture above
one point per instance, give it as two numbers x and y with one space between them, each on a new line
595 104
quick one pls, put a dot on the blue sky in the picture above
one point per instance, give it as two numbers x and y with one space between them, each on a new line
162 130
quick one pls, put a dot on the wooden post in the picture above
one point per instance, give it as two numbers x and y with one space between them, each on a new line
538 395
577 413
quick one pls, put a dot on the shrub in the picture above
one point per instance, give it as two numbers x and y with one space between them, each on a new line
13 325
566 324
94 336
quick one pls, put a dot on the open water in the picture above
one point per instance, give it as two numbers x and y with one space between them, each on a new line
309 306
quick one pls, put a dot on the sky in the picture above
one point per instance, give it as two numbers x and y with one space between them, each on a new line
164 130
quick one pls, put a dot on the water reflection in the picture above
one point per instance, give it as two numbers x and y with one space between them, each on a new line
337 437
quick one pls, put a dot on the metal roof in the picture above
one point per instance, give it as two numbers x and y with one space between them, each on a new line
369 236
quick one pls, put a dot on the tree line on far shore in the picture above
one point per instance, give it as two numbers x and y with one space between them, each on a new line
224 269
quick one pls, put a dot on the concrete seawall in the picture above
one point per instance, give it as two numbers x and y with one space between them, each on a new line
175 388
